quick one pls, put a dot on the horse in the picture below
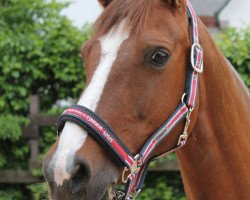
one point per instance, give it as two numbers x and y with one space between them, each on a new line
136 73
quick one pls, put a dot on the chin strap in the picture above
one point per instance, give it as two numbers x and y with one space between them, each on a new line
135 167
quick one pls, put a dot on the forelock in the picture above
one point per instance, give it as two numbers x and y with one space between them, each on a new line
135 12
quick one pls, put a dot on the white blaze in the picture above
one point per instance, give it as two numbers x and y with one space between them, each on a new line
73 137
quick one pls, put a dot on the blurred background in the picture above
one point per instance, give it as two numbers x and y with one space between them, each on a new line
41 72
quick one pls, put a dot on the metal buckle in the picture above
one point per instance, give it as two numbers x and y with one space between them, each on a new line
118 195
133 195
184 136
135 168
194 51
125 180
183 98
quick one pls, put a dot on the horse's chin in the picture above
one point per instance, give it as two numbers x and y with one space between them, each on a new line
108 194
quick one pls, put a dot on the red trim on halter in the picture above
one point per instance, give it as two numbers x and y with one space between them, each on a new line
195 22
193 89
177 117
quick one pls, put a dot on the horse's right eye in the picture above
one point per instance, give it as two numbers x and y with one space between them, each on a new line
158 58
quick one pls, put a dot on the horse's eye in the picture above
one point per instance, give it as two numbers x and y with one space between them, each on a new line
159 58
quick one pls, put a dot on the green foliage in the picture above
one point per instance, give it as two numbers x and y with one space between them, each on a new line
10 127
13 149
39 191
161 191
40 54
235 44
39 51
163 186
10 195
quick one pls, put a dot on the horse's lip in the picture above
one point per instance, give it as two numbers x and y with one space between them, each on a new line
111 192
108 195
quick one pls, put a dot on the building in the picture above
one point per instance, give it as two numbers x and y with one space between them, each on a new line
216 14
235 13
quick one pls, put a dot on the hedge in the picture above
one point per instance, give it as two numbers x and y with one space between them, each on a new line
235 44
39 54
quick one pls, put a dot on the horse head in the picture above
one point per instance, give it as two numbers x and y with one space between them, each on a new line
136 66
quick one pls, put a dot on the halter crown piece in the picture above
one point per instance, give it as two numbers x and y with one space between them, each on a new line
136 166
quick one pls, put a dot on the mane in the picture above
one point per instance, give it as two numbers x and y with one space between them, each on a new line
135 12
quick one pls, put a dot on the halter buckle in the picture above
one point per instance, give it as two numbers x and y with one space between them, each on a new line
184 136
197 57
182 139
118 195
134 194
134 169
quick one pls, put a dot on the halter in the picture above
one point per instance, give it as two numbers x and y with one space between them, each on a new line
136 166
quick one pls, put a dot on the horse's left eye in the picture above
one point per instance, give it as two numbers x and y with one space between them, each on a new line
159 58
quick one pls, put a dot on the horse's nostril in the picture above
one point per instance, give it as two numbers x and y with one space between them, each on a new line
80 178
75 171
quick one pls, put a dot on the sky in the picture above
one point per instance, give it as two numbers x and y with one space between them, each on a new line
81 12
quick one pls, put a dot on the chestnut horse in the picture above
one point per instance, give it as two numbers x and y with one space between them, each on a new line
136 66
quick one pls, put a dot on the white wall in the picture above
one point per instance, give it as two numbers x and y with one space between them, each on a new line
81 12
236 14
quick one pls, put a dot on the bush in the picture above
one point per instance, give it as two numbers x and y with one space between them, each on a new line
40 54
13 149
163 186
10 194
235 44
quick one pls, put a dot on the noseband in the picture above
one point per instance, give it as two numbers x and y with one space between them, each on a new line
136 166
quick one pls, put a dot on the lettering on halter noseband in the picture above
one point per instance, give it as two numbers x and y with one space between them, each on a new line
90 119
109 138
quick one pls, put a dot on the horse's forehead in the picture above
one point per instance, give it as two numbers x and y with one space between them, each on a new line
110 44
114 38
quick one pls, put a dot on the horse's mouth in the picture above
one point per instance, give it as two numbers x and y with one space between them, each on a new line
112 194
108 195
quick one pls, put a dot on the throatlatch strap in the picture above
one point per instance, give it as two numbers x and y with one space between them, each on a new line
196 59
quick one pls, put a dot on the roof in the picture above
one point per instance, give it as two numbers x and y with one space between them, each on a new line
208 7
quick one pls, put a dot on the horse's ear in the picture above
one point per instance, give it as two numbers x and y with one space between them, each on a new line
104 3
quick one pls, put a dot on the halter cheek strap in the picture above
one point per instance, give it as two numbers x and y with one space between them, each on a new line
136 166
